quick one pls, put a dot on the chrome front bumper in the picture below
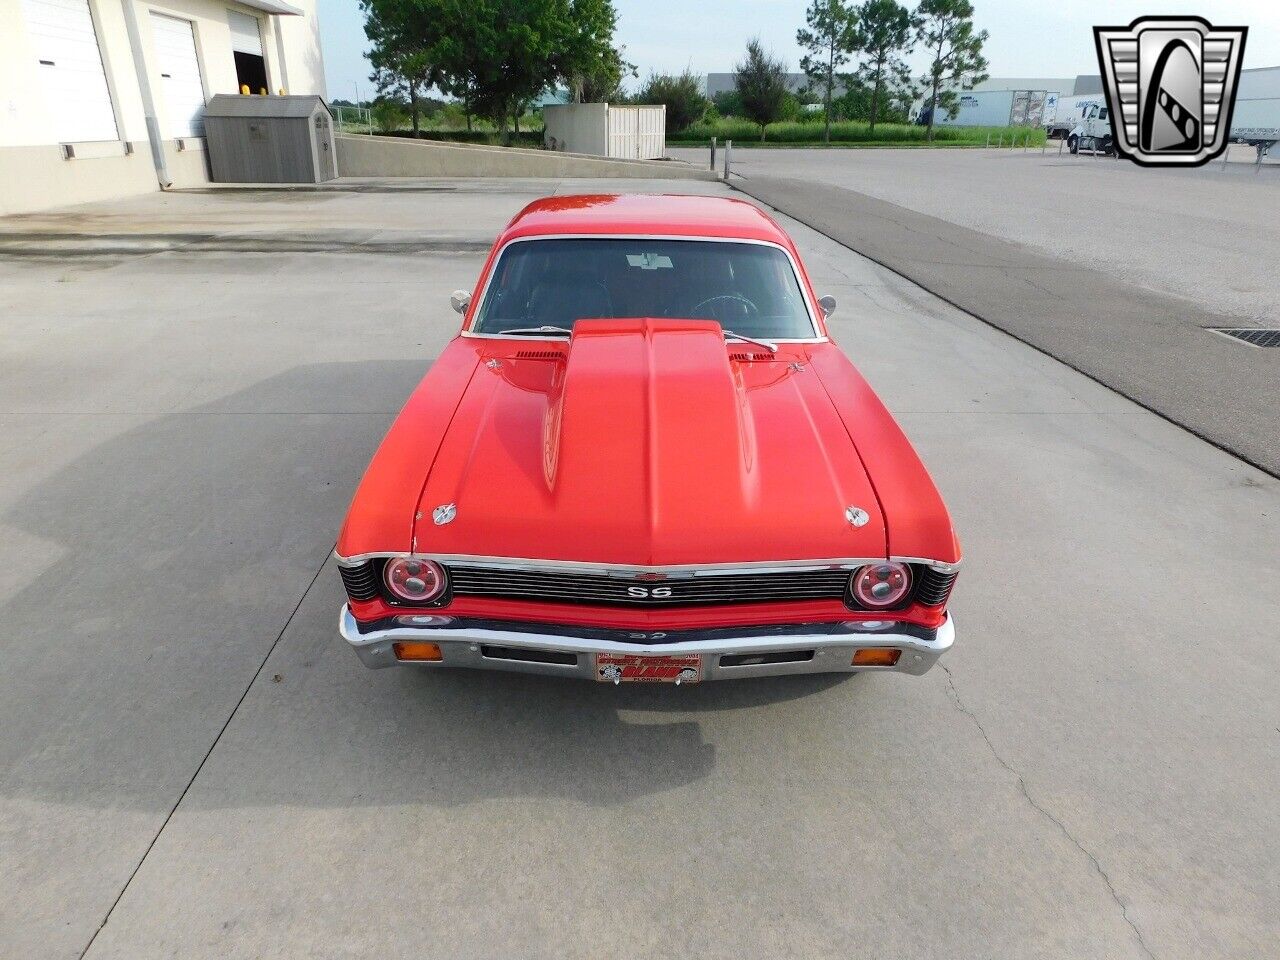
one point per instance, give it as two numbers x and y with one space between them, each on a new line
569 651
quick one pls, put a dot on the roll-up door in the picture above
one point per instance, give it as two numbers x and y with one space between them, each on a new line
180 84
70 70
246 35
246 47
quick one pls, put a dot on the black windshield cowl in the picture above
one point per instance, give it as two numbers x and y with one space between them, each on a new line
544 330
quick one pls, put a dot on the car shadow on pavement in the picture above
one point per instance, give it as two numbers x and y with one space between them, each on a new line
148 575
329 733
171 557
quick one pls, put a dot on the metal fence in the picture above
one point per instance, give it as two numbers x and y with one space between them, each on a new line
351 119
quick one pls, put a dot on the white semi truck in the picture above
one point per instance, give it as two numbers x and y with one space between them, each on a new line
1093 131
1068 112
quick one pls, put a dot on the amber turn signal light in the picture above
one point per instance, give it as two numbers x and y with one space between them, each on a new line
417 650
875 657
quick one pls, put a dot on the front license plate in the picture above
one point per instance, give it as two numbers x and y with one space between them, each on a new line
630 668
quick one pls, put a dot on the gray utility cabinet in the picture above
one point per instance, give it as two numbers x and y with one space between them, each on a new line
269 139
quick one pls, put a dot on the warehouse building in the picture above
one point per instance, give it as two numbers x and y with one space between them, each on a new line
105 98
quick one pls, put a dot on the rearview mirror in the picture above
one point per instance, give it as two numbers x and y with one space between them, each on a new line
828 305
460 300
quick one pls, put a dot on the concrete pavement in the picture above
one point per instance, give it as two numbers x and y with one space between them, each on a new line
191 765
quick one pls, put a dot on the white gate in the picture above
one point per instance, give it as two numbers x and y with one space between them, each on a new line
637 133
624 130
651 142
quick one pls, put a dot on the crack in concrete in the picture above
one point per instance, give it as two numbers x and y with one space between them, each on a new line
954 695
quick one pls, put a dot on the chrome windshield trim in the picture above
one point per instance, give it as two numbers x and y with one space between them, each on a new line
630 570
811 309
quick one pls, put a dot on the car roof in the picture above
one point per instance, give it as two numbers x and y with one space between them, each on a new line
642 214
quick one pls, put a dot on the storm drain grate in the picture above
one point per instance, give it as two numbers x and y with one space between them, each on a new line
1254 336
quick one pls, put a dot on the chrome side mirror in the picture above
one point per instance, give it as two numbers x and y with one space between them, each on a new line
828 305
460 300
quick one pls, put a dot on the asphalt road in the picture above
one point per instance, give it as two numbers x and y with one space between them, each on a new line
1210 235
191 764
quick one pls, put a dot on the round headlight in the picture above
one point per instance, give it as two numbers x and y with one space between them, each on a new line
881 585
414 581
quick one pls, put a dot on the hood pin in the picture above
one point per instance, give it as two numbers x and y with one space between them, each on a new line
855 515
444 513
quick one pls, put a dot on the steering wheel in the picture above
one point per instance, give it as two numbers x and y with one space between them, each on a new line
748 309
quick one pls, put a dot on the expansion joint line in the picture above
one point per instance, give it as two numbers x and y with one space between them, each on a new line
208 753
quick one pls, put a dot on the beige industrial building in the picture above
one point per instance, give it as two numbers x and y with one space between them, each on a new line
105 98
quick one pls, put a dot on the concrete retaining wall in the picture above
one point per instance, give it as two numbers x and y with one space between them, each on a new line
360 156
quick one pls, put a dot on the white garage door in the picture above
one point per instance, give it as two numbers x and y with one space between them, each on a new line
71 73
181 88
246 36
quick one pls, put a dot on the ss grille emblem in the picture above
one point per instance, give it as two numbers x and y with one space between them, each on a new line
645 593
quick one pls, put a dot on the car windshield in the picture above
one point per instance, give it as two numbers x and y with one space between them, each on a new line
748 288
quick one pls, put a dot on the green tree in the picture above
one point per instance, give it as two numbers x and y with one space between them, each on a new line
584 56
829 40
498 55
401 35
761 82
728 103
885 37
682 95
601 82
945 27
859 101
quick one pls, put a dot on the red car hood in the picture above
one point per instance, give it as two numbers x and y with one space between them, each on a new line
645 444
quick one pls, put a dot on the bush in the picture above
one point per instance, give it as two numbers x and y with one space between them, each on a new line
793 109
388 115
451 115
682 95
854 131
728 103
529 139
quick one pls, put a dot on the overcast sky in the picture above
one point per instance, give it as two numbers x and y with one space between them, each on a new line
1028 38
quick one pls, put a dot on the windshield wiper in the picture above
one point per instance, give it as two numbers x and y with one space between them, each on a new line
730 335
545 328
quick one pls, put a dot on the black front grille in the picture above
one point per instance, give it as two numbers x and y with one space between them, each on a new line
933 586
361 582
599 589
364 582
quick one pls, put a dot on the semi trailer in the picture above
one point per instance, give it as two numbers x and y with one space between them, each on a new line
1256 118
1068 112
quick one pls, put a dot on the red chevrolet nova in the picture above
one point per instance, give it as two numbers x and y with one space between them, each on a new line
643 459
